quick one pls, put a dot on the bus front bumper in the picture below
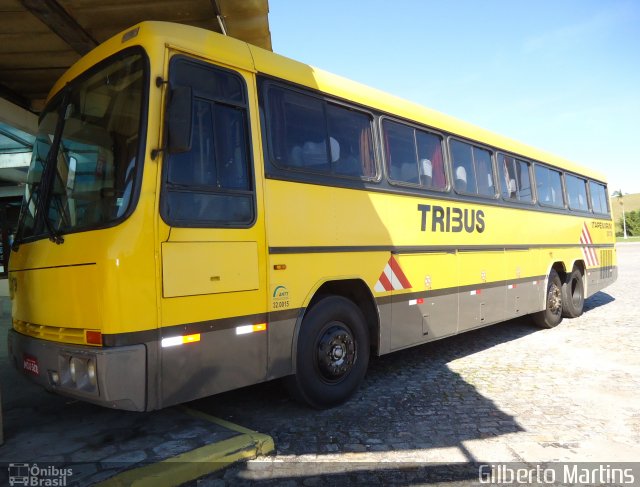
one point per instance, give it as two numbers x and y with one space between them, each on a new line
112 377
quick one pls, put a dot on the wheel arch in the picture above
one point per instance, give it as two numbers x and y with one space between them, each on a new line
560 268
353 289
579 263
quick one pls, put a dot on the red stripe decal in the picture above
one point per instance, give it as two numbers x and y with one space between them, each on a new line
590 253
386 284
399 274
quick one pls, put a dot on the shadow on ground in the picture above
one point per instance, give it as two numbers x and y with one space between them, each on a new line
410 401
598 299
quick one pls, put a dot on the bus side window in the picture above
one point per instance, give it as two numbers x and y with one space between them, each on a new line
431 161
463 170
400 151
599 202
577 193
549 184
305 134
523 180
413 156
310 134
484 172
514 179
351 142
472 169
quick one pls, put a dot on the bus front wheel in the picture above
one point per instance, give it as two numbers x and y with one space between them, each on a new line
332 353
551 316
573 294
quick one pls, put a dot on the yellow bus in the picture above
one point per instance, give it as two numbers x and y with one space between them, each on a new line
203 215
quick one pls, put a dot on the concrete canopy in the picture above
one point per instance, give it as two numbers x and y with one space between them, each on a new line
40 39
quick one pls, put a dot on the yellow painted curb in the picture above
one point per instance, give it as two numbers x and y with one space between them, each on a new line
196 463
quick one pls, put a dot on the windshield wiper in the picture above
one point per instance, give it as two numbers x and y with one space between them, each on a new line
54 235
47 180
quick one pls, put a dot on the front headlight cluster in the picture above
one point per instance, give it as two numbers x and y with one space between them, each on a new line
81 373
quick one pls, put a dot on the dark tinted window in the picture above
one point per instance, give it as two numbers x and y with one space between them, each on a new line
208 82
401 156
549 185
212 184
350 142
430 160
298 129
472 169
598 197
577 193
310 134
413 156
515 179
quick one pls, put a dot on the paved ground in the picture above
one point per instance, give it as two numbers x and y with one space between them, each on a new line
509 392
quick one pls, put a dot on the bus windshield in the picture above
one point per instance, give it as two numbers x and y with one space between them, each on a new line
93 126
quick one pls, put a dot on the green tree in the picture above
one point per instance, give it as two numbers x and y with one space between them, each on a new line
632 219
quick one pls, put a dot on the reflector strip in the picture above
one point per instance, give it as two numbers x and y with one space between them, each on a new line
535 283
511 286
477 291
413 302
180 340
245 329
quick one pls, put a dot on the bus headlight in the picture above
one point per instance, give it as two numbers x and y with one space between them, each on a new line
73 370
80 372
91 372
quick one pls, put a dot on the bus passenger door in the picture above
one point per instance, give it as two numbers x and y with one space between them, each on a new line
213 261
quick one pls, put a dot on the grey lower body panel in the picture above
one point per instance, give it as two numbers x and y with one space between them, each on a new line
422 317
121 372
599 278
282 335
222 360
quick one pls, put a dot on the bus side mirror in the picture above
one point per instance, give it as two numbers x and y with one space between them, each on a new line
179 120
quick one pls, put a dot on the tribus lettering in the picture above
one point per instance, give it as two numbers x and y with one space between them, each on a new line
451 219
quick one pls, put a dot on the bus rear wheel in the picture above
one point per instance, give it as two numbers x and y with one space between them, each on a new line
551 316
573 294
332 353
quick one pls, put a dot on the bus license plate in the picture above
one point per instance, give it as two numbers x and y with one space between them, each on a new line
30 364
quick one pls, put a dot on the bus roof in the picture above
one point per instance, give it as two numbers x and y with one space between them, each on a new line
234 52
282 67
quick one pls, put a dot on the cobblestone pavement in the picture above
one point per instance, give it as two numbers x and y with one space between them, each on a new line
509 392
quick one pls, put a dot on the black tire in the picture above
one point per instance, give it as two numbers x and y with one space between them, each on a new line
332 353
573 294
551 316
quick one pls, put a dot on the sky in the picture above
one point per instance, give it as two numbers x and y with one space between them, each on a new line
560 75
